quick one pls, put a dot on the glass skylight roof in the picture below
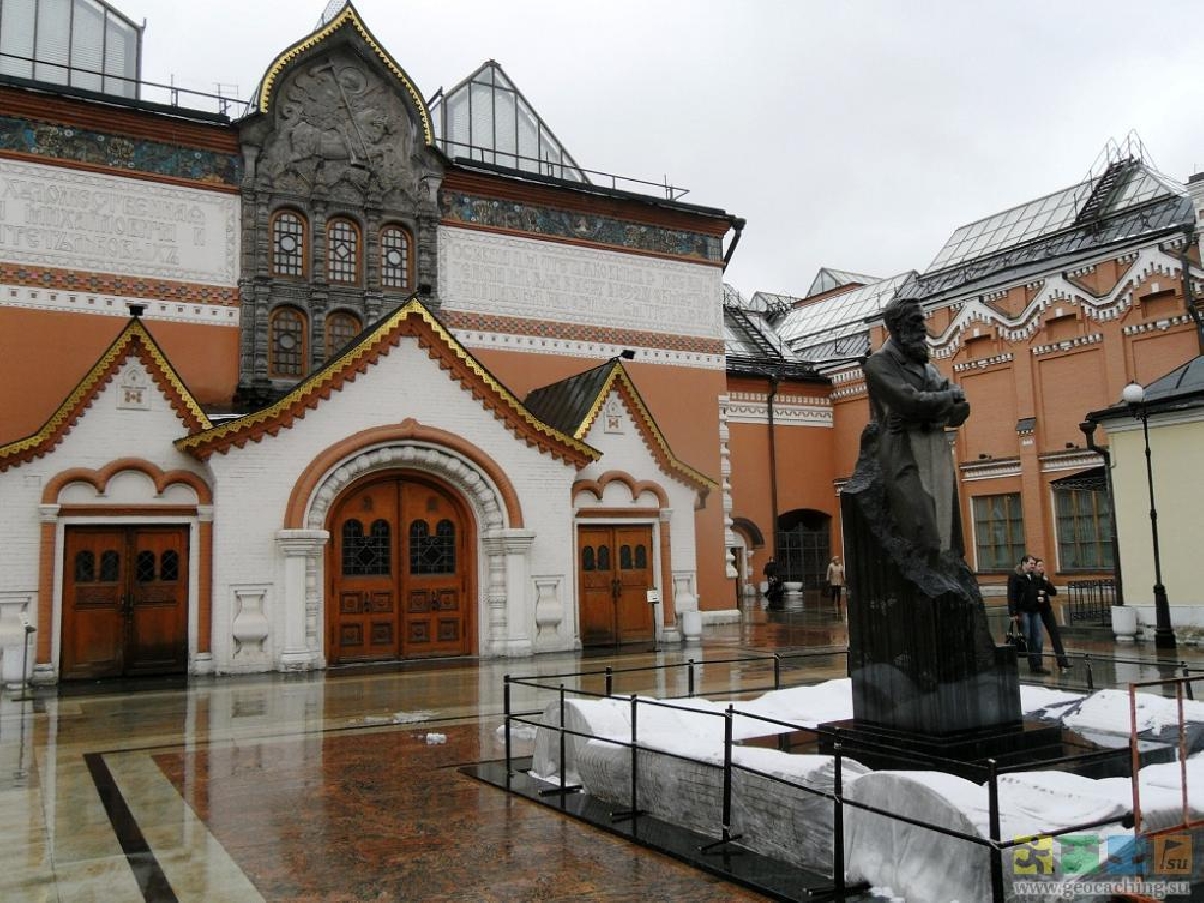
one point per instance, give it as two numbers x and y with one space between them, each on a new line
827 279
486 118
1053 213
839 316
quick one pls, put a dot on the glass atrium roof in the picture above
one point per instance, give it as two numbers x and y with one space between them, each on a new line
1125 184
808 327
486 118
827 279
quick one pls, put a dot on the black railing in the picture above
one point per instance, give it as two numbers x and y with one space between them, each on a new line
1090 601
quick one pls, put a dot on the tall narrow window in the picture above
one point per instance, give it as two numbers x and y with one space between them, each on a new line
343 252
395 258
341 328
998 531
1084 522
286 343
288 244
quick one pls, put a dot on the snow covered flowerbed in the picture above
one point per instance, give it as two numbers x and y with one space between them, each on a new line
679 772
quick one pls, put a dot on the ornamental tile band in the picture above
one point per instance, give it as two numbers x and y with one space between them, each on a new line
458 207
60 142
63 280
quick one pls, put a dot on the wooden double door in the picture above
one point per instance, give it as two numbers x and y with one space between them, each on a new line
400 573
125 602
615 568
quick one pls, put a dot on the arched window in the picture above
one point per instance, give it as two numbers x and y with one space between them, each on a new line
288 244
343 251
341 328
395 258
286 342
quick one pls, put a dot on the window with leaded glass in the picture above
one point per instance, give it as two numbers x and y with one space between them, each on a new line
1084 523
587 558
998 531
641 557
85 567
343 251
395 258
169 566
144 566
366 555
341 328
604 558
432 554
625 557
286 343
110 566
288 244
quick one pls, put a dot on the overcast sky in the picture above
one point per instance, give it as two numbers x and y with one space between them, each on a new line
855 134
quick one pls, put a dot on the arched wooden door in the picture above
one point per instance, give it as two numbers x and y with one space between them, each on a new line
616 571
400 573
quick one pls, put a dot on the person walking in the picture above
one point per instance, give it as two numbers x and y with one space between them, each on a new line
775 592
1046 589
1024 609
835 582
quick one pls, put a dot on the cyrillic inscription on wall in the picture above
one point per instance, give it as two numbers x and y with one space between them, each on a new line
86 221
520 277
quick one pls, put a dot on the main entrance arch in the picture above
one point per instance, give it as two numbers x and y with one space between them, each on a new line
400 570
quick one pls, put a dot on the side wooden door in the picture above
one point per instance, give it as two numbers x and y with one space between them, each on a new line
125 602
436 618
615 572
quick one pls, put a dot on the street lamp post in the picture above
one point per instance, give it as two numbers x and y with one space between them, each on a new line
1164 635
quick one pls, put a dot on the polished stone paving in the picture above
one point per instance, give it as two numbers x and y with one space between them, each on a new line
331 787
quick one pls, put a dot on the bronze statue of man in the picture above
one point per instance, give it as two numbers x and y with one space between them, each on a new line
912 404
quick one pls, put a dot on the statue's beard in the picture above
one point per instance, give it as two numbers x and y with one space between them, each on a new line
915 349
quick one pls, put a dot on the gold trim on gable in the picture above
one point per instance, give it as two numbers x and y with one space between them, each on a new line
370 344
618 373
70 408
346 16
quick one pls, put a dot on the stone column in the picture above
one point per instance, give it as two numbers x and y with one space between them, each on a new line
202 662
494 546
299 547
45 670
520 616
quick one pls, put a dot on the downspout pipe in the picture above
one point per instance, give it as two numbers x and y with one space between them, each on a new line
738 225
1189 301
773 468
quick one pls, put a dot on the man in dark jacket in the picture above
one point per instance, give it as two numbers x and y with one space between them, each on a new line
1025 610
1045 589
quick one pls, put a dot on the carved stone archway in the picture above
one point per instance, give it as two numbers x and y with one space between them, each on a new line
502 548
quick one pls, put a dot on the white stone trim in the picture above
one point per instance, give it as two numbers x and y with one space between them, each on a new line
476 338
71 300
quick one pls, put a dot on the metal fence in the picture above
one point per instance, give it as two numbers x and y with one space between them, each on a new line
1090 601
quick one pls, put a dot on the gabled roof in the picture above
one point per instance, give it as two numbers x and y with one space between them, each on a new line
573 405
828 278
411 319
133 341
350 19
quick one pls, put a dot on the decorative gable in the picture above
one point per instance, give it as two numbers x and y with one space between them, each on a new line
143 369
411 319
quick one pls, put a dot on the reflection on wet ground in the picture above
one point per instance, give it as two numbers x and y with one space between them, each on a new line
339 786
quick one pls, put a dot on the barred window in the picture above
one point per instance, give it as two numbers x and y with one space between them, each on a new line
341 328
998 531
343 245
366 556
288 244
395 258
286 342
1084 516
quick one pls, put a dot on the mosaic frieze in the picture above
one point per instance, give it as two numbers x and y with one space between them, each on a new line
588 227
61 142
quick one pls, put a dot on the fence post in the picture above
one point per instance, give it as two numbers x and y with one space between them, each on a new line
1187 678
690 679
610 681
506 709
633 812
777 671
727 837
996 853
563 778
837 823
1090 673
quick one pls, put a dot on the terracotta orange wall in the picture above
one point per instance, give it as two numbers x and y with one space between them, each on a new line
44 354
805 465
685 404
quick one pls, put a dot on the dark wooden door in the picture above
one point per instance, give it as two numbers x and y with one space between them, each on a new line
125 602
400 573
615 573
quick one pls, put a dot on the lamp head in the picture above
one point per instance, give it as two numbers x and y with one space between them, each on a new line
1133 393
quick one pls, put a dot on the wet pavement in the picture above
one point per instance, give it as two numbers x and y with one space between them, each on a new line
342 786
